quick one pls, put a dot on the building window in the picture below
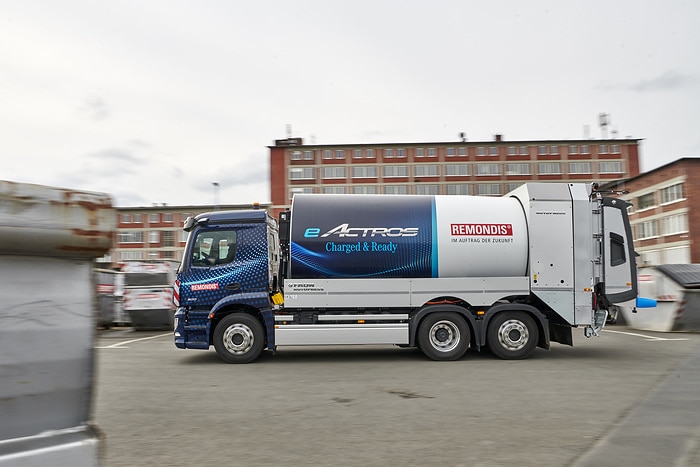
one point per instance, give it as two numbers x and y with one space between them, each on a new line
395 171
611 167
488 169
675 224
300 190
554 149
333 172
579 167
615 149
130 237
512 186
545 168
388 153
400 153
308 155
672 193
481 151
458 189
647 229
137 219
153 218
334 190
296 155
462 151
573 149
168 217
327 154
427 189
130 255
541 150
432 152
419 152
450 151
524 151
603 149
396 190
364 189
512 151
301 173
357 154
585 149
517 169
430 170
154 236
452 170
364 171
369 153
646 201
488 189
339 154
125 219
168 238
493 151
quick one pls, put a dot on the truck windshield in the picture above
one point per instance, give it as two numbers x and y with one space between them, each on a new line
214 247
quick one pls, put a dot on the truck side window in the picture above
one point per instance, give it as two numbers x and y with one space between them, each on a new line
617 250
214 248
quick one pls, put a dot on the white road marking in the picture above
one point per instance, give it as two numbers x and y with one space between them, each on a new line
651 338
120 345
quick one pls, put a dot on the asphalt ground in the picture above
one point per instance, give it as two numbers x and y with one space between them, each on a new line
626 398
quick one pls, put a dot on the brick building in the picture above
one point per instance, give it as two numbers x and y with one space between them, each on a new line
443 168
155 232
663 216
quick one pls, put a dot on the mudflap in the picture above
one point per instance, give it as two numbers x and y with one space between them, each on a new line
561 334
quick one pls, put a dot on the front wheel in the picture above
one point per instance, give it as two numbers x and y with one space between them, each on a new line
239 338
443 336
512 335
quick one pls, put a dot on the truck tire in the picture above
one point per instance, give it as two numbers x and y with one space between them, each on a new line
512 335
443 336
239 338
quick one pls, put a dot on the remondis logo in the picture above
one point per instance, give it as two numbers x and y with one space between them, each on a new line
344 230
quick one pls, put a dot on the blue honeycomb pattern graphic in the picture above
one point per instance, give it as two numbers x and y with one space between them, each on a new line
208 289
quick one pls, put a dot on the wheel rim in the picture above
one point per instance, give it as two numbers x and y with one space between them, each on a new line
513 335
444 336
238 338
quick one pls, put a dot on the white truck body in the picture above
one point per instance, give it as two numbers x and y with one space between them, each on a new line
436 272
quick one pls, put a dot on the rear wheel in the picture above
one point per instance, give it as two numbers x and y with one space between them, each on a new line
239 338
512 335
443 336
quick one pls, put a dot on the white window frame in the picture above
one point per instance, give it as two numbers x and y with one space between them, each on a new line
488 169
548 168
580 168
426 170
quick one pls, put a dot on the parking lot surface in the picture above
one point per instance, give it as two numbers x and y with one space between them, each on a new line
624 398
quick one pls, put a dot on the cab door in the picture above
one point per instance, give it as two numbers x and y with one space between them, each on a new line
619 258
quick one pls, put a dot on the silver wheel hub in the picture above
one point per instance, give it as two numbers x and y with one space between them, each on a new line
444 336
513 335
238 338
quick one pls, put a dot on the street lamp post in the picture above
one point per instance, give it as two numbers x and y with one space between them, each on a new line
216 195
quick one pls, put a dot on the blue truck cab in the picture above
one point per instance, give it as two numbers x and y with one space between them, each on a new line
226 282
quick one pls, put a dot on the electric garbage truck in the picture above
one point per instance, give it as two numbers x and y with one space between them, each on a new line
440 273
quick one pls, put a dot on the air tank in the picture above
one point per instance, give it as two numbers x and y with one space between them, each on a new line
404 236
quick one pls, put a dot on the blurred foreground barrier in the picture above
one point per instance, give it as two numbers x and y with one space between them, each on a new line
49 238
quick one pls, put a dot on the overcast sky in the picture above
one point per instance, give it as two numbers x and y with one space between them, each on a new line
152 100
